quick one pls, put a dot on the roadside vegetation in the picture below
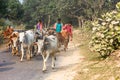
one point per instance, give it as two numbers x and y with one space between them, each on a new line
94 66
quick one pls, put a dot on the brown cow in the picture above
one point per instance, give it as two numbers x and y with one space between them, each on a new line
8 32
14 42
63 39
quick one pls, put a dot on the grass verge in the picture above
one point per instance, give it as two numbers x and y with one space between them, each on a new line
93 67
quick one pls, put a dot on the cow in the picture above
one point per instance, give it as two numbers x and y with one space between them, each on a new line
8 32
63 39
14 42
48 46
51 31
26 41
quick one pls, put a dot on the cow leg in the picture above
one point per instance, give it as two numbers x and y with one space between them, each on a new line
28 53
12 52
53 61
45 60
32 51
66 44
44 63
22 52
16 52
9 45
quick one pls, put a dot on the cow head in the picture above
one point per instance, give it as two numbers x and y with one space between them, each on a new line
14 39
14 42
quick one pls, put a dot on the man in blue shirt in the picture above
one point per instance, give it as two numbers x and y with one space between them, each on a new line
58 28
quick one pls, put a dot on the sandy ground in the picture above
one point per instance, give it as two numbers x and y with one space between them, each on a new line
69 60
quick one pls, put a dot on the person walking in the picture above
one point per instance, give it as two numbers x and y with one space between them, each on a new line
39 26
58 26
67 33
39 30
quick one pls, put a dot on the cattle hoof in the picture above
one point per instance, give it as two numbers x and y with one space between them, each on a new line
53 66
13 54
28 59
31 55
44 71
21 60
17 55
55 58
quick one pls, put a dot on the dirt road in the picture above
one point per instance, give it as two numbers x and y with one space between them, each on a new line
12 69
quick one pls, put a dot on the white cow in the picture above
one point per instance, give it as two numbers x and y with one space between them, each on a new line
26 40
48 47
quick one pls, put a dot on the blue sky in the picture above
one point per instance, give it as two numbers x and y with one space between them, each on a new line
21 1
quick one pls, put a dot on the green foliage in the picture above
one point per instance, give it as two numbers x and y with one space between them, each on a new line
3 8
106 32
118 6
88 25
50 10
15 10
29 27
2 22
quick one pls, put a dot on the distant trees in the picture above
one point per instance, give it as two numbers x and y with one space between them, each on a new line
3 8
30 11
81 10
11 10
15 10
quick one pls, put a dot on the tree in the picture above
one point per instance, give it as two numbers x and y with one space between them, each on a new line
3 8
80 10
15 10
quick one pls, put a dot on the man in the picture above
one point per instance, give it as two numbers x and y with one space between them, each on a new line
68 28
39 26
58 28
67 33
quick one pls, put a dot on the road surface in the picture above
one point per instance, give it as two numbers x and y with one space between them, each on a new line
12 69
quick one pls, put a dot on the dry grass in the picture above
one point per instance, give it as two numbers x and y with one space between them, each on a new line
20 27
93 67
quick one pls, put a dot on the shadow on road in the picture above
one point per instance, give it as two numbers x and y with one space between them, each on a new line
6 64
6 69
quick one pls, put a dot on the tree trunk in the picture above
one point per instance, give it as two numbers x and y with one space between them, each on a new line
80 22
48 20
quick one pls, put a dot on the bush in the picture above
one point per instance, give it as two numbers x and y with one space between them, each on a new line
29 27
2 22
106 32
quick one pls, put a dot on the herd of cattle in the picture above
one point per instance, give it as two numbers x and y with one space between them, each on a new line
32 42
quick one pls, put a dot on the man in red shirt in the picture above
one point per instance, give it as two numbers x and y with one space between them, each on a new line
68 29
67 33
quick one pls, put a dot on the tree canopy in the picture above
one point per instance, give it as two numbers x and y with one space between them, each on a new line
48 11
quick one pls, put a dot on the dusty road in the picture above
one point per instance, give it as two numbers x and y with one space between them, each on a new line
12 69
